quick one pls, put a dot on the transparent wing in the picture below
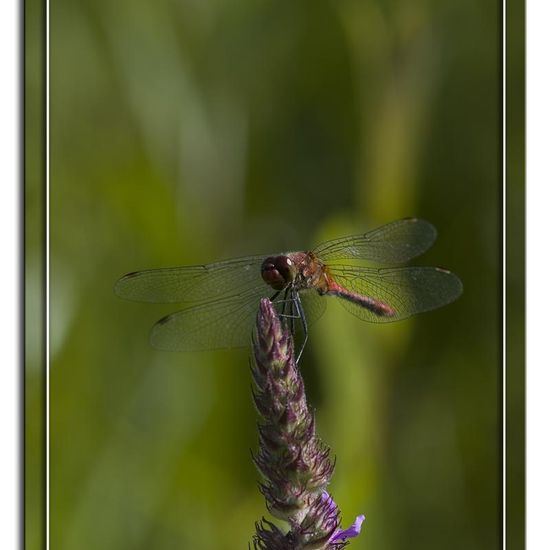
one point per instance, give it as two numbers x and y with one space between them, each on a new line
406 290
226 323
314 305
192 283
219 324
396 242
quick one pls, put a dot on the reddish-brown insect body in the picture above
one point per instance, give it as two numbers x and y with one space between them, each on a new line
302 270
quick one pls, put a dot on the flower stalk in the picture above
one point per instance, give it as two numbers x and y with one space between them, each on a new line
294 463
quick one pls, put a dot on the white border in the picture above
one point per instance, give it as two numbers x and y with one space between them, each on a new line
538 274
10 218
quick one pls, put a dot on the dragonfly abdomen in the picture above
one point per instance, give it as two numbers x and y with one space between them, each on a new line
376 306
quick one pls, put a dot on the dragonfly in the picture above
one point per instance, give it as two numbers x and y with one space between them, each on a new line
220 300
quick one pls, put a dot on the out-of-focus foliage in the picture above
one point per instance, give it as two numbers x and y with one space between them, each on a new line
187 131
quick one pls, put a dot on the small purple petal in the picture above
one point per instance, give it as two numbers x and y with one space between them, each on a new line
345 534
350 532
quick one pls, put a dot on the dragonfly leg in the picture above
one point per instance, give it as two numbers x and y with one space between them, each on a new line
291 315
283 301
302 316
287 305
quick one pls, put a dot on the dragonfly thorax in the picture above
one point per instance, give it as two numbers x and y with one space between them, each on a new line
278 272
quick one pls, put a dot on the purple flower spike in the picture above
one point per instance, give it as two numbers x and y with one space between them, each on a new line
294 463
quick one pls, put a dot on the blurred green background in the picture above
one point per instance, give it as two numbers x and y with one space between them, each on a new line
187 131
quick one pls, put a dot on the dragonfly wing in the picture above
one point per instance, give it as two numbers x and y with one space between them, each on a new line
314 305
219 324
406 290
191 283
397 242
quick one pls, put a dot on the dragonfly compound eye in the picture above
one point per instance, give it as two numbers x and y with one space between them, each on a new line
276 271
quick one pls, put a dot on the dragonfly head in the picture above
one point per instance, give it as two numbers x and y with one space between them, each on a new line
278 271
